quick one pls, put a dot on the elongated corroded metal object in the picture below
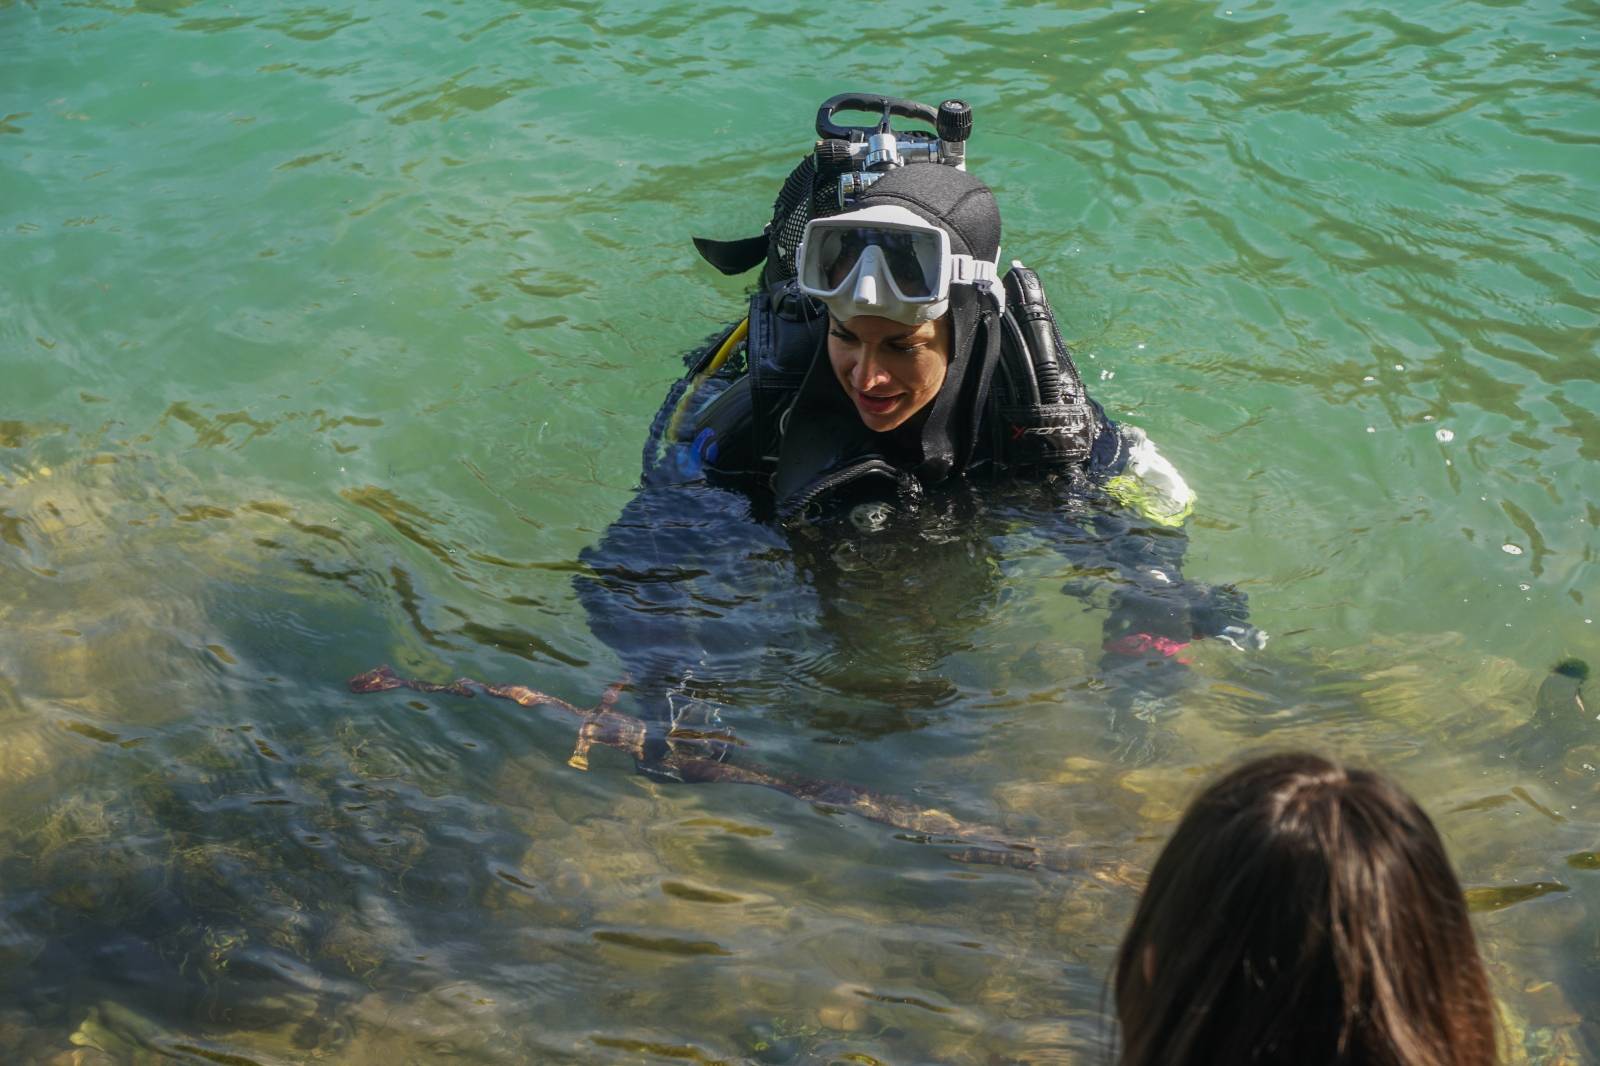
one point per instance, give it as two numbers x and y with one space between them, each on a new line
614 729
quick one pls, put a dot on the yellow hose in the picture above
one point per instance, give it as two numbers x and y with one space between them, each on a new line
724 350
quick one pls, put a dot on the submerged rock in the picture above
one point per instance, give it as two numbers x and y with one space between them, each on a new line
28 750
116 1033
122 1033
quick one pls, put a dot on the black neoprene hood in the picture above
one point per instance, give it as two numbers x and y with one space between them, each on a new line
826 441
951 199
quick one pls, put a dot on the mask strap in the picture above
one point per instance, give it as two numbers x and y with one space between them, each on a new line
981 274
991 325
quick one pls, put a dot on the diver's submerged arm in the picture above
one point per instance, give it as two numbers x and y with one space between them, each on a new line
1139 533
1128 541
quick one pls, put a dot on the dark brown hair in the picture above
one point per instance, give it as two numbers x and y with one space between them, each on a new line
1303 913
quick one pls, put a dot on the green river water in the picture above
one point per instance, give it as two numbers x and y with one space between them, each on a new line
329 336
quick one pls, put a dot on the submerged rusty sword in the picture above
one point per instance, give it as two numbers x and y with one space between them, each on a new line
603 725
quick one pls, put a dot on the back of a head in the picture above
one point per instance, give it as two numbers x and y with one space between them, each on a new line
1303 914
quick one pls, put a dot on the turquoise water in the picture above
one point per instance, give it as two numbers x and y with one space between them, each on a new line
330 336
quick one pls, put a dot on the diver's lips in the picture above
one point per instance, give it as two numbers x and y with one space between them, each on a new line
878 405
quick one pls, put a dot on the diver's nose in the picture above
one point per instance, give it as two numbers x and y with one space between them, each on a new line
868 372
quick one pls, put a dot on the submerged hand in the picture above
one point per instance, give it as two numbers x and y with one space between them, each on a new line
1224 612
1243 638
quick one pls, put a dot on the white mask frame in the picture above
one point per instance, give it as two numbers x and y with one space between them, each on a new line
871 287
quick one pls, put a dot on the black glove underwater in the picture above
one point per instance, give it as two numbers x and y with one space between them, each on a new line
1223 612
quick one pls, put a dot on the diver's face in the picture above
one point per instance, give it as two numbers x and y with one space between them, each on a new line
889 370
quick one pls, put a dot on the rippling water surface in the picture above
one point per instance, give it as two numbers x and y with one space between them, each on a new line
330 336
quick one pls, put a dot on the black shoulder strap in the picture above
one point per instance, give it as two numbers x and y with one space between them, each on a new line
1046 419
786 331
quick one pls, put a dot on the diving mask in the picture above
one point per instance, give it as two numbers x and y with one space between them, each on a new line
885 261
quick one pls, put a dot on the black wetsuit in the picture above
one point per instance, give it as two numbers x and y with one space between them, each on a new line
717 588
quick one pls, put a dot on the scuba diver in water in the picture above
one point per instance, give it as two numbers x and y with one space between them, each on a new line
892 377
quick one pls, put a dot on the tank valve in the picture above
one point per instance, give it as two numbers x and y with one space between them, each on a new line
954 124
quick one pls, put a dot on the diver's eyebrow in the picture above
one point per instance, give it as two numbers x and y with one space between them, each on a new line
893 338
910 337
839 327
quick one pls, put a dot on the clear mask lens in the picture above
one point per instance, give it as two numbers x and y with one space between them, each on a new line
912 258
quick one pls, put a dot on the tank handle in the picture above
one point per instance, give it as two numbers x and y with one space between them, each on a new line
827 128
